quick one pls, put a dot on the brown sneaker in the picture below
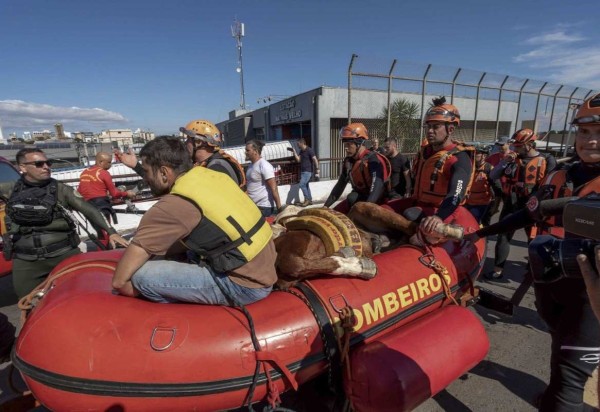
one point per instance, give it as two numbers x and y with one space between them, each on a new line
306 203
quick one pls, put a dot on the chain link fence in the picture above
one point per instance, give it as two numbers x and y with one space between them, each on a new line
390 98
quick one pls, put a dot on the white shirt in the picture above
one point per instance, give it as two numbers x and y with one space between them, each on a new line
257 175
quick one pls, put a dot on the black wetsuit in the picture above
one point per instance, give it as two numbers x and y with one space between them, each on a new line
565 307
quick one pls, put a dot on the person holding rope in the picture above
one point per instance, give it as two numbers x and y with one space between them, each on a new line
203 211
40 232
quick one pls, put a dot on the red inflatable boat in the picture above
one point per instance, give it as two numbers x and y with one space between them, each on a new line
85 348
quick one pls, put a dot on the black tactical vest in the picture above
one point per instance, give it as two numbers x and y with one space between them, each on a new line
33 205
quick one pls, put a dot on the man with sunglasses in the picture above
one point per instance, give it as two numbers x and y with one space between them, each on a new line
41 232
520 173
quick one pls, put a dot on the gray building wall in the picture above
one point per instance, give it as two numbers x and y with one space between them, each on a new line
319 106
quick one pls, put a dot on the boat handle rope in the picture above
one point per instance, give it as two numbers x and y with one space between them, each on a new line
29 301
428 260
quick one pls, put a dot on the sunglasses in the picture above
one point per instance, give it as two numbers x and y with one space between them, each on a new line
39 163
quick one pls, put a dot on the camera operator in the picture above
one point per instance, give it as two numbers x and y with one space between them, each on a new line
592 283
563 302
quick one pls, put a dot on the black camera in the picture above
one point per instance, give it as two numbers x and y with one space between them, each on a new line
551 258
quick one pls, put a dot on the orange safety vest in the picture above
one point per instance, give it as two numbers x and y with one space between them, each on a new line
432 179
526 177
481 189
559 185
359 174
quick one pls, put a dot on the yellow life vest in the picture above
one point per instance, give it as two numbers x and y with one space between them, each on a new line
232 230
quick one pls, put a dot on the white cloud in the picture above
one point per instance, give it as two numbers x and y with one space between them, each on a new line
564 57
26 115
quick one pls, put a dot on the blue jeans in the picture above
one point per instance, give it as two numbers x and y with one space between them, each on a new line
304 180
166 281
268 211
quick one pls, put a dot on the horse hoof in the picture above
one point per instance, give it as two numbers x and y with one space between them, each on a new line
346 252
369 268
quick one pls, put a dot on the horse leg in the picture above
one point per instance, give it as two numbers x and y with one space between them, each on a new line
377 219
299 267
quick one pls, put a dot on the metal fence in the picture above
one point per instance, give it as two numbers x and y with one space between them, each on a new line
499 104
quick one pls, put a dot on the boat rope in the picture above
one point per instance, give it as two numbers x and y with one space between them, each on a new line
429 260
348 321
29 301
328 347
262 357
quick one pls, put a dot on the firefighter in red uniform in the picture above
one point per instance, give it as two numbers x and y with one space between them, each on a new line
520 174
564 304
483 191
444 167
367 171
95 185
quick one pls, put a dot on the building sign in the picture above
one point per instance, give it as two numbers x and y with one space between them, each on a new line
290 115
288 111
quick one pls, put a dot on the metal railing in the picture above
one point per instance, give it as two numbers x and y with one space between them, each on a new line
545 107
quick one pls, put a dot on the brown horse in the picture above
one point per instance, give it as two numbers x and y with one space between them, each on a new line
301 254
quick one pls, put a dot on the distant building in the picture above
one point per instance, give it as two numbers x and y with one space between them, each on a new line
142 136
116 137
43 135
60 131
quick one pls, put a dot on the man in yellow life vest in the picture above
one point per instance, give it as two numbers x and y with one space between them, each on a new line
444 167
520 174
203 211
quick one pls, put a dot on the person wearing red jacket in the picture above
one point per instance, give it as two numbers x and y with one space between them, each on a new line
96 185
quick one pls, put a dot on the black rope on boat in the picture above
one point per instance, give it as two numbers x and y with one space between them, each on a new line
235 304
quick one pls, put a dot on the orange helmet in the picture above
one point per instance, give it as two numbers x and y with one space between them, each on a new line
523 136
354 131
203 130
589 111
442 112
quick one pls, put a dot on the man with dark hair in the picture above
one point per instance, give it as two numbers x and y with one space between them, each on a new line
400 180
309 165
367 171
520 173
41 231
260 177
205 212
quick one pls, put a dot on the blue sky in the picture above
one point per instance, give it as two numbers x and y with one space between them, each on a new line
156 65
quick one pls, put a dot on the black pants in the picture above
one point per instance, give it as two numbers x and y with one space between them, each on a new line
503 240
575 332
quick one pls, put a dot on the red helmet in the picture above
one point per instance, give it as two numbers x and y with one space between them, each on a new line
442 112
354 131
589 111
203 130
523 136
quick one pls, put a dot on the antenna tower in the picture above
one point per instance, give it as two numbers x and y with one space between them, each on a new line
237 32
